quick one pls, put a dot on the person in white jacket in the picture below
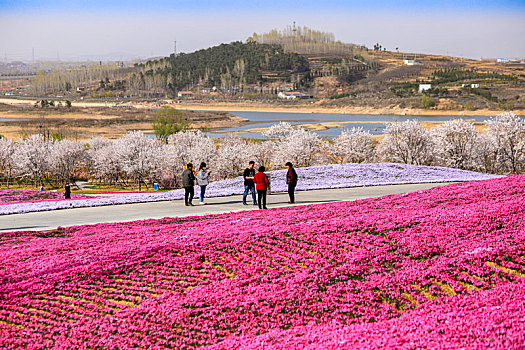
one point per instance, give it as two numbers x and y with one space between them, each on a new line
202 180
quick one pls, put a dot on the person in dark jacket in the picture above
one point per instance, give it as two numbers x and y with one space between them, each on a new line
67 192
188 181
291 181
262 184
249 185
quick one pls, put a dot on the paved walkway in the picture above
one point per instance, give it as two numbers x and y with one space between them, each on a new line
49 220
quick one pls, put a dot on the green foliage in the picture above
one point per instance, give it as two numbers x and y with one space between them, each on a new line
108 86
342 95
404 89
440 59
427 102
504 105
485 93
436 91
227 65
68 104
455 75
468 106
57 136
168 121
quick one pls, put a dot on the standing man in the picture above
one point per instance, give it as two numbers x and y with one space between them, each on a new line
188 181
249 185
67 191
291 181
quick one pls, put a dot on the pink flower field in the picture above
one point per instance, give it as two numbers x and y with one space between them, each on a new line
442 268
32 196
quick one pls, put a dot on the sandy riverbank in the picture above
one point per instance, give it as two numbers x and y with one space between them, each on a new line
315 108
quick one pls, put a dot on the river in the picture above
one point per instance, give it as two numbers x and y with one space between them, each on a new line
372 123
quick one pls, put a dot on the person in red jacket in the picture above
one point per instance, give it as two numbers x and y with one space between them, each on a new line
261 185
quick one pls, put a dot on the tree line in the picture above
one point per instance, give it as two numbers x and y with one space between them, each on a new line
140 160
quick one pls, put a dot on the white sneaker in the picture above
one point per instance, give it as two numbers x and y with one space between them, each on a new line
202 203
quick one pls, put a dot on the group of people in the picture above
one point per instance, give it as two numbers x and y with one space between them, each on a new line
252 182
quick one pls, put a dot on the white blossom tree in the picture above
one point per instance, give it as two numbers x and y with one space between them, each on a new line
455 144
298 146
406 142
191 147
31 158
6 158
106 162
486 155
353 146
139 156
64 157
263 152
507 134
233 156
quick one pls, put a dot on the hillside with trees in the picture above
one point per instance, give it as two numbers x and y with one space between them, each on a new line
229 67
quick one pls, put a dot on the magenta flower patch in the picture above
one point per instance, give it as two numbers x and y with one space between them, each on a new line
440 268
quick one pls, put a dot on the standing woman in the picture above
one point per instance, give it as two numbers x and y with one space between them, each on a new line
202 181
261 185
291 181
188 181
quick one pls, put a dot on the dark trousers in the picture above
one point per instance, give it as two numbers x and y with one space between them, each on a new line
261 195
291 189
188 194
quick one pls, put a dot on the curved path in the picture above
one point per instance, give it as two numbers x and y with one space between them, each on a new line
49 220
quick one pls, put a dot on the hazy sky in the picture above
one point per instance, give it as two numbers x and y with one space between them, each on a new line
111 29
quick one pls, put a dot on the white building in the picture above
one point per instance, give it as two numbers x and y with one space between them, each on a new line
424 87
410 62
474 86
187 94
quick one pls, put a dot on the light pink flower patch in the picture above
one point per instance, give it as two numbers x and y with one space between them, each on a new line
441 268
33 196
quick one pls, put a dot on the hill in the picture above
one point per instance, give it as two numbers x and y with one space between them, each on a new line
230 67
